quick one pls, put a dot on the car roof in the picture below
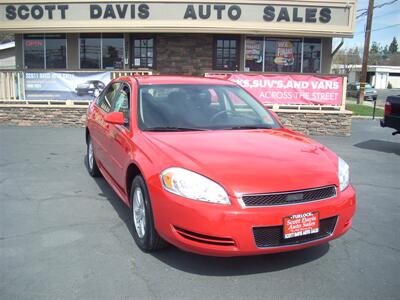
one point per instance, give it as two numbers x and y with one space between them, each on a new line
173 79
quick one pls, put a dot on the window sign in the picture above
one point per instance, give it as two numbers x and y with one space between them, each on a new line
283 55
254 54
45 51
34 51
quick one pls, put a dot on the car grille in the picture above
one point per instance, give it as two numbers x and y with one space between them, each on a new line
290 197
272 236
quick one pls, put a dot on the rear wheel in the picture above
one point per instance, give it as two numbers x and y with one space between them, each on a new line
144 232
92 167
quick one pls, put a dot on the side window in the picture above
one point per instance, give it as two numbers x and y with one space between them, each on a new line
121 103
106 99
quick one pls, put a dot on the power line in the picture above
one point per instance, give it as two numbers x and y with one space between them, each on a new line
364 11
387 14
378 29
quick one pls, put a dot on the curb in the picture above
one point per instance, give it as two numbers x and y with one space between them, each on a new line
366 117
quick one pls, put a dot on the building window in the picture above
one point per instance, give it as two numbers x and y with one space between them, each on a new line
312 56
45 51
101 51
283 55
254 54
113 51
226 55
143 52
90 51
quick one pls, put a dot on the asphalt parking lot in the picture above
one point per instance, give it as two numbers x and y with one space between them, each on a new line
64 235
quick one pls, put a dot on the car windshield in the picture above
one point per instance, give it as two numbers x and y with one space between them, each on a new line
184 107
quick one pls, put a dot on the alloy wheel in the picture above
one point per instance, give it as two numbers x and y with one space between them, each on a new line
139 212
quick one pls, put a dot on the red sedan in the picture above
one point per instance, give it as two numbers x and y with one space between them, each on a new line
207 168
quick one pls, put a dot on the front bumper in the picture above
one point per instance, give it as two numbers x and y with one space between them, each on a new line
227 230
391 121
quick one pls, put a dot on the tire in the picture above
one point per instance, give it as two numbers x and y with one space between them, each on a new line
91 164
142 221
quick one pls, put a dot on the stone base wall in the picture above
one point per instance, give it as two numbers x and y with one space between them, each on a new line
336 123
307 122
43 116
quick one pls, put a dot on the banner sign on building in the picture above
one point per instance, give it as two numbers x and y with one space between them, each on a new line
290 88
65 85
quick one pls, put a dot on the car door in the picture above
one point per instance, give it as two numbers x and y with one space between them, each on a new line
99 128
119 141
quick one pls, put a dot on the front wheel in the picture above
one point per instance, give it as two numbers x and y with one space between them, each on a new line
92 167
144 233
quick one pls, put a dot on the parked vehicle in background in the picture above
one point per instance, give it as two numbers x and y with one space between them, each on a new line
353 90
91 87
206 167
392 114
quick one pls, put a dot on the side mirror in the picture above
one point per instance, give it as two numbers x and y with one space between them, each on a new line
115 117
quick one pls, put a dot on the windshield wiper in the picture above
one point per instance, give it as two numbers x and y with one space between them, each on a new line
239 127
173 128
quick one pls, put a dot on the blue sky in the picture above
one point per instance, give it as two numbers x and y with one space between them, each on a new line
385 16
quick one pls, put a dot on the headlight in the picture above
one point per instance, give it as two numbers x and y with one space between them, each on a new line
343 174
191 185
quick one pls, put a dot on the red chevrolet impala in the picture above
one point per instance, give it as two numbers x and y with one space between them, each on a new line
205 167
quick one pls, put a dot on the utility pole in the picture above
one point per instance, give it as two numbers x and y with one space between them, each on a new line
363 78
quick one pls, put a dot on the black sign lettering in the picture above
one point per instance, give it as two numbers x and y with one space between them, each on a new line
219 9
50 9
95 11
234 12
269 13
310 15
23 12
204 15
283 15
190 12
121 10
133 8
144 11
37 12
296 17
109 12
62 8
325 15
11 12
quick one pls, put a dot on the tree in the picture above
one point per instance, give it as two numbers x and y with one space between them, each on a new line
347 59
375 54
394 47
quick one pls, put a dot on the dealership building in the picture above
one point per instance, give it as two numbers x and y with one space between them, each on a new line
177 37
183 37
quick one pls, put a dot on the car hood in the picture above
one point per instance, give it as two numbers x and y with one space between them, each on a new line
250 161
